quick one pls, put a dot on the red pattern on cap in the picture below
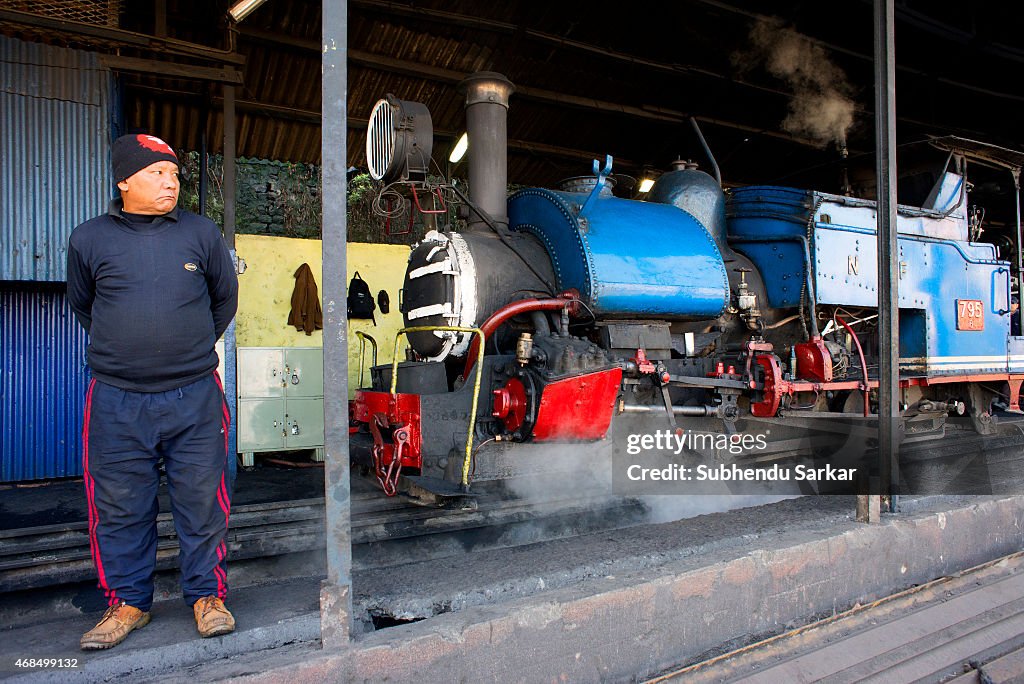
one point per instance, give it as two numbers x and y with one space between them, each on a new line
151 142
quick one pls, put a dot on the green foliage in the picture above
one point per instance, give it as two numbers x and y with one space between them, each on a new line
190 186
284 199
363 224
366 213
298 199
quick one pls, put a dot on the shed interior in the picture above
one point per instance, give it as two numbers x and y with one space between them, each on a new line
782 90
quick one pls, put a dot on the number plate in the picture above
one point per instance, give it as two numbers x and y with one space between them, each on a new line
970 314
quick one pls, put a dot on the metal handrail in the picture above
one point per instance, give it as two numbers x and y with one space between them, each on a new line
363 337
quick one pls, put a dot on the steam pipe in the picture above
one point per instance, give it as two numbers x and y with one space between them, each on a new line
487 95
689 411
707 151
566 300
540 323
811 295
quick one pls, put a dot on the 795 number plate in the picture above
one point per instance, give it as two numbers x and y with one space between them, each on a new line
970 314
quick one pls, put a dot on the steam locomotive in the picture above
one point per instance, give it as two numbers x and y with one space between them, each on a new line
556 317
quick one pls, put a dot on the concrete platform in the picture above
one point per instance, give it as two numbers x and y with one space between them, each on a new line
272 618
616 605
965 628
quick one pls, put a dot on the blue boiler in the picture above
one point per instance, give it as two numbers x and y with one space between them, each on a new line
626 258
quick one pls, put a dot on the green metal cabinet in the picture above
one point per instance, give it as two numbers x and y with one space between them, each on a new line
280 400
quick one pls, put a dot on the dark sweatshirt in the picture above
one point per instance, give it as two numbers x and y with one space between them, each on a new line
154 297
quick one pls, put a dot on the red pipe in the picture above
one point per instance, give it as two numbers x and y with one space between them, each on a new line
491 325
863 365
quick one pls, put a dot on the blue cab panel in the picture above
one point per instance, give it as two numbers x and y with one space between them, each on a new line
626 258
941 275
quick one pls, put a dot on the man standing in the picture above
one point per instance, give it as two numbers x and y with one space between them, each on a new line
155 287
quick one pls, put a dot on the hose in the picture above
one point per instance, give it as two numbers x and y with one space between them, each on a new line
863 366
506 312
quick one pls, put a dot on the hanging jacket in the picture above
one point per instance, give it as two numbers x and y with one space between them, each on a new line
306 314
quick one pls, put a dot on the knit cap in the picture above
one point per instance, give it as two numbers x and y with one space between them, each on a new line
134 152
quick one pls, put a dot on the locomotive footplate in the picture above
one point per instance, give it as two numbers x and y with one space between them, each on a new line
433 491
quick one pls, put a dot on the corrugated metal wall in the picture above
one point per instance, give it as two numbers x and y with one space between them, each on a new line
54 142
42 384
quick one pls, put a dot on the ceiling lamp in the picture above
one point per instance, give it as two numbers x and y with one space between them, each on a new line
459 151
243 8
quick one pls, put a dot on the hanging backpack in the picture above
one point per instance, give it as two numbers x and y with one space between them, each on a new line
360 301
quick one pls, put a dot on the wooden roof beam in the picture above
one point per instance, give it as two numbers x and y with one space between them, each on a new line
651 113
444 17
127 38
186 71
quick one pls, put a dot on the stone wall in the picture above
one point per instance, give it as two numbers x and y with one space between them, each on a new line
282 199
275 198
278 198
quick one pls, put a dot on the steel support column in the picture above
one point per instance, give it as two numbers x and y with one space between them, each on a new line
335 594
1020 246
230 346
229 166
204 164
888 251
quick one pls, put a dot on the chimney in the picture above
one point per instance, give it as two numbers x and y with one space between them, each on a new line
487 95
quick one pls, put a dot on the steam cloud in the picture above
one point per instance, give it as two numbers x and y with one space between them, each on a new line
583 474
821 107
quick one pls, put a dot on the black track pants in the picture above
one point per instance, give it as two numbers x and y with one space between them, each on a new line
125 435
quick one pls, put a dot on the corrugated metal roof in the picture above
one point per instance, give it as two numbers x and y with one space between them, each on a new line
55 142
42 385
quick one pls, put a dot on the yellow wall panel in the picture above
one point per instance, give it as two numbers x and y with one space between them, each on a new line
265 294
383 268
265 290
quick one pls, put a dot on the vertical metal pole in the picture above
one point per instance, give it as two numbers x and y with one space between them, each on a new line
229 166
1020 265
160 18
228 188
888 251
335 593
204 164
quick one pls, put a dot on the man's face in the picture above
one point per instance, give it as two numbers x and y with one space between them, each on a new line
153 190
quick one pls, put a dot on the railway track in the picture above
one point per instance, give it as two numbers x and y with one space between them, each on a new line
385 532
391 531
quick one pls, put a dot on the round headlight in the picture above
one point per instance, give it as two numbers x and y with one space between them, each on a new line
399 140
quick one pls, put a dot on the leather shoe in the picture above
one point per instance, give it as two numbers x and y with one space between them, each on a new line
212 617
119 620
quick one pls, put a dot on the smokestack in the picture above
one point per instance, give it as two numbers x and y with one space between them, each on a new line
487 95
